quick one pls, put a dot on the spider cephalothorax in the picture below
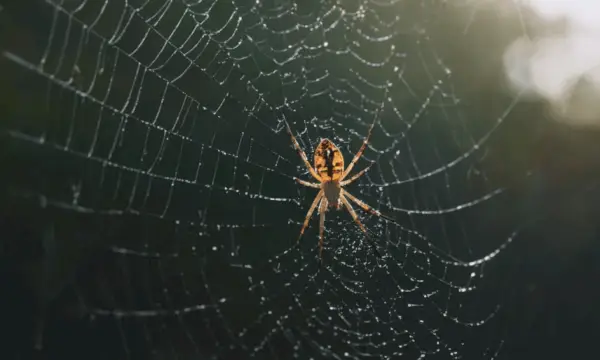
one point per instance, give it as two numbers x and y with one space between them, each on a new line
329 171
331 191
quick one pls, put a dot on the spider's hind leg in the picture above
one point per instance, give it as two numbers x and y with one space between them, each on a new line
357 175
302 153
359 153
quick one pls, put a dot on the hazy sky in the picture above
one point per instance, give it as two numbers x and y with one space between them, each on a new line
549 63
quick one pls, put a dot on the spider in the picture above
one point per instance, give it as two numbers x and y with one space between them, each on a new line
329 171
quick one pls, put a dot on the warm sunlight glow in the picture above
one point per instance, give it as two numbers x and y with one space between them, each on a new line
551 66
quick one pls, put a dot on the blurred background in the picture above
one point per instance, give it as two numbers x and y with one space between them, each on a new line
148 206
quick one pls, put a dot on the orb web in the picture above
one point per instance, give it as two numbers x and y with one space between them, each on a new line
164 139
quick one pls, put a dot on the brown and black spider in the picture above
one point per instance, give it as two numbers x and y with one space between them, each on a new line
329 171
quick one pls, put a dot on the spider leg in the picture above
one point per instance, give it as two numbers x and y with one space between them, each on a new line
302 154
322 211
360 203
359 153
353 213
310 212
309 184
367 208
357 221
357 175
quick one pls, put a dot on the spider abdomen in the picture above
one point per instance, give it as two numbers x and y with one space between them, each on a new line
329 162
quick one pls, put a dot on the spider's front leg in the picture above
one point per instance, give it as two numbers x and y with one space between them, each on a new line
357 221
312 208
368 208
353 214
362 204
322 210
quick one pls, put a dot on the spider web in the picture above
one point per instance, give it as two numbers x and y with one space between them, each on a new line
161 140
